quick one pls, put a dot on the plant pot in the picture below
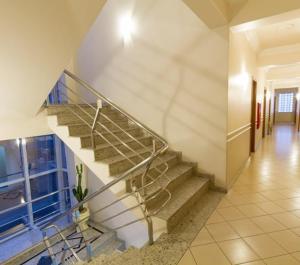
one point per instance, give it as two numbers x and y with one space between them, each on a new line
81 218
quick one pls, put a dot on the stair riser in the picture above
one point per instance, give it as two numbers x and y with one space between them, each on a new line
86 141
75 130
65 110
122 166
65 119
154 173
162 196
109 151
185 209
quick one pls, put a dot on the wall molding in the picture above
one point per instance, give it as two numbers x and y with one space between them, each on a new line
238 132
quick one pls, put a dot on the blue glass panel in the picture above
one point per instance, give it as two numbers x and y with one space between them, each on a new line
43 185
12 195
13 218
63 156
45 207
11 167
40 154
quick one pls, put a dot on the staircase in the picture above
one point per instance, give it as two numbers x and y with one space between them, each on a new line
133 162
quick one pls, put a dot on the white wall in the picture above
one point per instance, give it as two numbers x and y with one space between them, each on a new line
173 76
242 70
37 41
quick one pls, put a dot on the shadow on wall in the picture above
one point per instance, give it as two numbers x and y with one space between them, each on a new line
173 80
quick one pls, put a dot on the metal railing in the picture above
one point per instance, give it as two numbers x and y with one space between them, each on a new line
87 106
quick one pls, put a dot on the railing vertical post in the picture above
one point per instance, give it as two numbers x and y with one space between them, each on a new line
94 127
150 230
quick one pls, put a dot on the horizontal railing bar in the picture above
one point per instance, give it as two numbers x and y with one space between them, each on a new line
26 203
113 182
96 93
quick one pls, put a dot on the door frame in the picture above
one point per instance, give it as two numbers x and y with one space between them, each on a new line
253 116
264 114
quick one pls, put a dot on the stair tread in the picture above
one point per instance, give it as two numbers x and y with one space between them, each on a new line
183 193
130 128
173 173
103 122
119 158
101 146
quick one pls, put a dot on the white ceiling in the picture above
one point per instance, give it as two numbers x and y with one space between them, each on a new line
281 34
275 40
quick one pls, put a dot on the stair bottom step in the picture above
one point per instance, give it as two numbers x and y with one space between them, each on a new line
183 198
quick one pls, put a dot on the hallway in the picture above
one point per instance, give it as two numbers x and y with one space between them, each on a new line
258 221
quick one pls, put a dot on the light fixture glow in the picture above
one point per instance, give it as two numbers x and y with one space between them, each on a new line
18 142
268 95
23 141
298 96
127 27
22 200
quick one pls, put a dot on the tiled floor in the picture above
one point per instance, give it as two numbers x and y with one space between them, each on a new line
258 221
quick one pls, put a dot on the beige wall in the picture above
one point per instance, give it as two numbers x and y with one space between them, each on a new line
37 41
173 76
242 69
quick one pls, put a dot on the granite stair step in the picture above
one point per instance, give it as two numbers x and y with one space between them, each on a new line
175 177
81 128
105 150
171 158
65 118
57 109
182 200
119 164
132 130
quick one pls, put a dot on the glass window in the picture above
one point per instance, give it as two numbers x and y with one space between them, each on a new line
41 158
41 154
63 156
12 195
45 207
43 185
286 102
11 166
14 219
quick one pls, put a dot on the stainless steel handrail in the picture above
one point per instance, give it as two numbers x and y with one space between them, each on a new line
97 94
146 159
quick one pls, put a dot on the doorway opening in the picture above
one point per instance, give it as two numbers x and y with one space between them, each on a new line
253 116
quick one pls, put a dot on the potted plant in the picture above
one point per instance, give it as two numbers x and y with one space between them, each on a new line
82 215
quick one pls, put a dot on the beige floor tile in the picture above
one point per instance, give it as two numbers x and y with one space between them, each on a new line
259 262
296 231
282 260
245 227
264 246
209 255
247 199
268 224
202 238
187 259
287 219
296 212
270 207
273 195
251 210
296 255
287 239
215 218
222 231
290 193
237 251
289 204
231 213
224 203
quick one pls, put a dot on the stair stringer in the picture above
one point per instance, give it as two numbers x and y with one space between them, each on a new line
101 171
